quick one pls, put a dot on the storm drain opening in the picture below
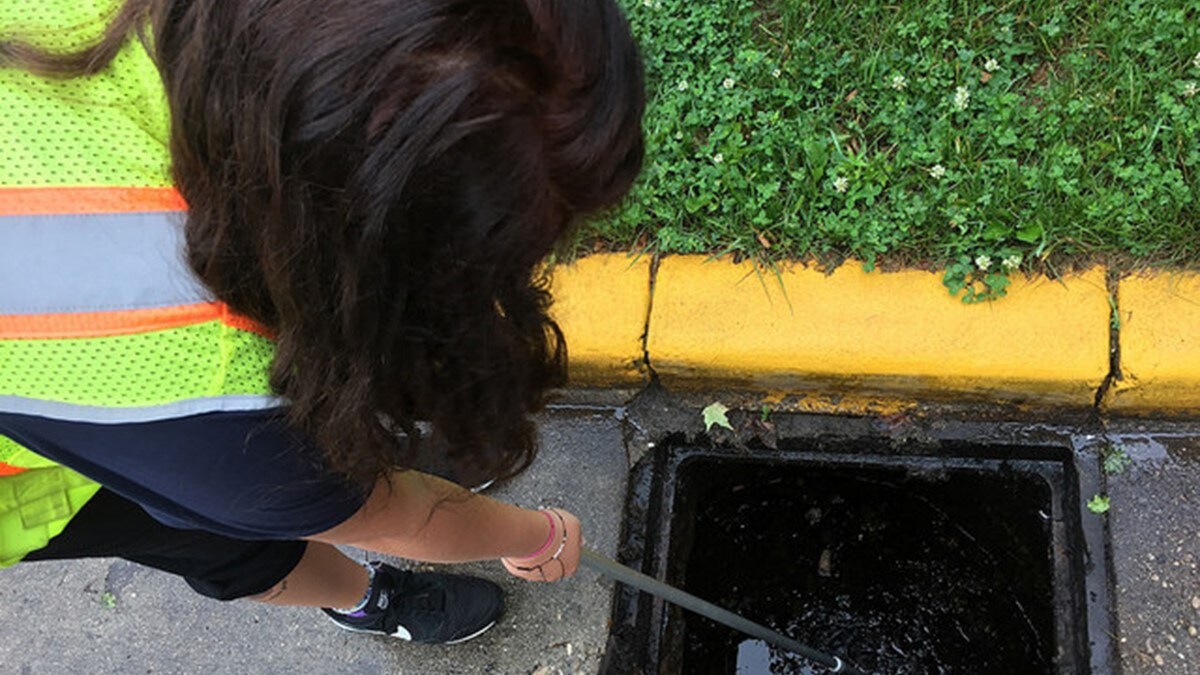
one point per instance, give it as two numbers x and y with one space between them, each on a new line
967 560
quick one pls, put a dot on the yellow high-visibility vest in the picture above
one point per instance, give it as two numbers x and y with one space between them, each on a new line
101 320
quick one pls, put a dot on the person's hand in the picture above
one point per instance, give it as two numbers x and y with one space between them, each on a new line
558 558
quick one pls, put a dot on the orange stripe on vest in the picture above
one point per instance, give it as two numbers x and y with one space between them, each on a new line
127 322
7 470
45 201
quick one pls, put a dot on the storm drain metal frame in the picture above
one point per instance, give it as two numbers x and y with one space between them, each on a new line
643 639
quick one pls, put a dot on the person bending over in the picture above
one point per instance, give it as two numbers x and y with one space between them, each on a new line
253 251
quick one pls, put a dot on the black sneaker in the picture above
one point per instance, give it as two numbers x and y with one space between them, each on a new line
425 607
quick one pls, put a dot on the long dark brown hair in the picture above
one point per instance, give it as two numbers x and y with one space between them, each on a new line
378 182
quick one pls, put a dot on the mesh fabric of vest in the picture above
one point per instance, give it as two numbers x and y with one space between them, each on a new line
142 369
110 129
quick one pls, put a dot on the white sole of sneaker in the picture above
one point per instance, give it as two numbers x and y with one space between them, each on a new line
483 486
476 634
408 637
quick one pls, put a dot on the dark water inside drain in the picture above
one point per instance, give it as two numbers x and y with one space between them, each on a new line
898 574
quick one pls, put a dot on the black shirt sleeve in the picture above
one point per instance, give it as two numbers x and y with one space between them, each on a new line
246 475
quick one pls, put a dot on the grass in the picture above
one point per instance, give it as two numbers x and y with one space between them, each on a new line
971 136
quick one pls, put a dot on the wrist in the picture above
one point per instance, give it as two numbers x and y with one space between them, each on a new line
550 552
539 537
551 537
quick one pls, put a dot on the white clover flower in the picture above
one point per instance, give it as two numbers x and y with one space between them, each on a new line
1196 60
728 83
841 184
1012 262
776 73
1190 89
899 82
962 97
683 85
718 158
991 65
937 171
983 262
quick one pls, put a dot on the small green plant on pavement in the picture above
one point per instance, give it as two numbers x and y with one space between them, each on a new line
1116 460
1099 504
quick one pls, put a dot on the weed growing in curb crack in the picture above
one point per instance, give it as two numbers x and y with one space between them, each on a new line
1099 504
1116 460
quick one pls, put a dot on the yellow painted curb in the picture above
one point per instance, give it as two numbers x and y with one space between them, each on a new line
601 302
1160 344
900 333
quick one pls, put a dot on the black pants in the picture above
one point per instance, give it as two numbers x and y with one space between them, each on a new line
216 566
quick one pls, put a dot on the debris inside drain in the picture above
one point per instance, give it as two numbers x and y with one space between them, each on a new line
896 571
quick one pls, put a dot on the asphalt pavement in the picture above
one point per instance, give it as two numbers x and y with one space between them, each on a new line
110 616
1155 538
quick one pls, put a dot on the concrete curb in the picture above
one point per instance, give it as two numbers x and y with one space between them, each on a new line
699 322
601 304
1159 317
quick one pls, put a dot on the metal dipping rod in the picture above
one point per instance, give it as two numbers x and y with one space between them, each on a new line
636 579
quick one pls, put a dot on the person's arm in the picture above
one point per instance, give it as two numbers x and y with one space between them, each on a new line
422 517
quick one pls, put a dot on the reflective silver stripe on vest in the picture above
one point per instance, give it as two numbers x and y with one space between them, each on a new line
94 263
101 415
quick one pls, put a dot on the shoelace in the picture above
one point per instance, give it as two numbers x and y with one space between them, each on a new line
409 593
433 600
